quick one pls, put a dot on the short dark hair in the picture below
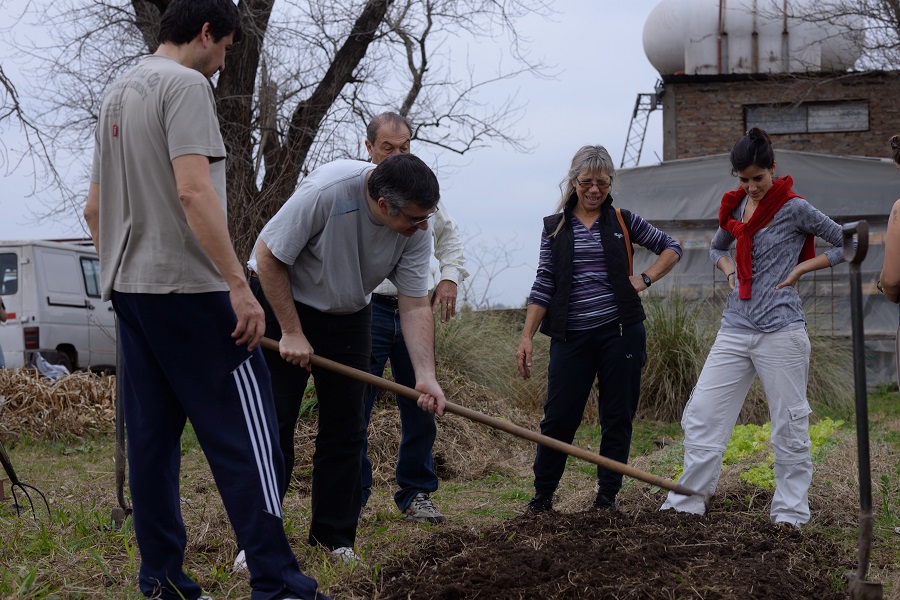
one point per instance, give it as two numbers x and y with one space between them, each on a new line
384 119
402 179
754 149
184 19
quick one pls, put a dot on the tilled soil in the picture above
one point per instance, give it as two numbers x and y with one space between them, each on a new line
607 554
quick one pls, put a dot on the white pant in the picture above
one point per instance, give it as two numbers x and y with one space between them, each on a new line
781 359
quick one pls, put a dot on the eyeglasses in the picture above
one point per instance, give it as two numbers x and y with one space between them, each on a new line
895 142
587 184
417 222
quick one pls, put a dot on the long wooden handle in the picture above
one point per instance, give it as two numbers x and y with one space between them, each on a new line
474 415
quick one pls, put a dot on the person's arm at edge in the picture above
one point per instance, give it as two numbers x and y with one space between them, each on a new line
890 271
534 314
206 219
92 214
417 325
448 250
275 279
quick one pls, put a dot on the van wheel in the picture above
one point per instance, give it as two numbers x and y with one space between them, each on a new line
65 360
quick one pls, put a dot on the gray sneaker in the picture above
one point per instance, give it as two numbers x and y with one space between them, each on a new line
346 554
422 510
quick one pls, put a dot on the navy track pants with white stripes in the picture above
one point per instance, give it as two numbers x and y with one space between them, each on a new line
180 362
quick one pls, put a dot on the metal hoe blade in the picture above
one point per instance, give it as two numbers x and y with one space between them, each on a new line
859 588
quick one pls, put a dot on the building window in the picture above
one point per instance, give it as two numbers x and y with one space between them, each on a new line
809 117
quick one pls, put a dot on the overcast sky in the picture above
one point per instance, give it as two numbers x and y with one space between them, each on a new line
497 196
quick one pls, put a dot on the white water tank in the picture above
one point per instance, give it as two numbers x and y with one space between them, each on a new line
704 37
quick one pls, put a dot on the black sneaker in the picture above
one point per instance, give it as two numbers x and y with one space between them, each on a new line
540 504
603 503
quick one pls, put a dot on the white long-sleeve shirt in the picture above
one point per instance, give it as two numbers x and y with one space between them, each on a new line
448 250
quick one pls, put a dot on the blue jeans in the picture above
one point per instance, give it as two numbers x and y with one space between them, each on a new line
613 357
415 466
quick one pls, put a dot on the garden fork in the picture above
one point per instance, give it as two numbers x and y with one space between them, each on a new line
859 588
24 487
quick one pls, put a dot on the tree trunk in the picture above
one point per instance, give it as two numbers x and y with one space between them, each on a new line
280 182
234 98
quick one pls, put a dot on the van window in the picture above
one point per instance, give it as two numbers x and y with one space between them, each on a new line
90 269
9 273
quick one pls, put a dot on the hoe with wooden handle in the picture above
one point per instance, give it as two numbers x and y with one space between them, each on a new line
516 430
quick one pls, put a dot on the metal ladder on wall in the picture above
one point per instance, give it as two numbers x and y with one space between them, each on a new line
643 106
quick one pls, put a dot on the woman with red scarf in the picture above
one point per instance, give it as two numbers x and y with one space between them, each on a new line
763 330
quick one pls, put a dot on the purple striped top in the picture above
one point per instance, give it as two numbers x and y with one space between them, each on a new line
591 300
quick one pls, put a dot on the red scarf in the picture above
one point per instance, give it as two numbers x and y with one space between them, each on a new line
777 196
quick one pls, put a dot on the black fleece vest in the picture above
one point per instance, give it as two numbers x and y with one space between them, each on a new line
562 250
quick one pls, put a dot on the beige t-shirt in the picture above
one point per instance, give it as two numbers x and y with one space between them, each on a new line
156 112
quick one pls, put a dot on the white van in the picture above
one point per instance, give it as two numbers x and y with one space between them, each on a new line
52 295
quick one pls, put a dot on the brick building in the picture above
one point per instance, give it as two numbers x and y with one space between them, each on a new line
849 113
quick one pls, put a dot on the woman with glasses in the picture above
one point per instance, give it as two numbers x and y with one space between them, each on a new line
585 298
763 330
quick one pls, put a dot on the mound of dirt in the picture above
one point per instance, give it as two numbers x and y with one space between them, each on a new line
608 554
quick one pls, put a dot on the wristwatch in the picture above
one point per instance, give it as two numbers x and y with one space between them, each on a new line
647 281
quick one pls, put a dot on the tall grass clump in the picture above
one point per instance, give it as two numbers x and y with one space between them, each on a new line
679 334
830 385
481 346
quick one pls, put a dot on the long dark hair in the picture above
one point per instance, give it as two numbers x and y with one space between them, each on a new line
895 148
754 149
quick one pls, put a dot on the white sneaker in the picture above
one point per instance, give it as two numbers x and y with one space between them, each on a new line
240 562
346 554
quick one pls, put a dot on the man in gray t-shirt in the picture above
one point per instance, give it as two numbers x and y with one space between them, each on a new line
188 324
348 226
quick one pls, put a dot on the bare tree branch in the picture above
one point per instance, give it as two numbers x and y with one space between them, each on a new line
873 24
486 262
300 86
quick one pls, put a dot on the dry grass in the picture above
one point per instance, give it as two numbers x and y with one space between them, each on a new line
79 556
482 346
485 480
77 405
464 450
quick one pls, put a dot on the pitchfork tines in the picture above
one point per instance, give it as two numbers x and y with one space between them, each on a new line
23 487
